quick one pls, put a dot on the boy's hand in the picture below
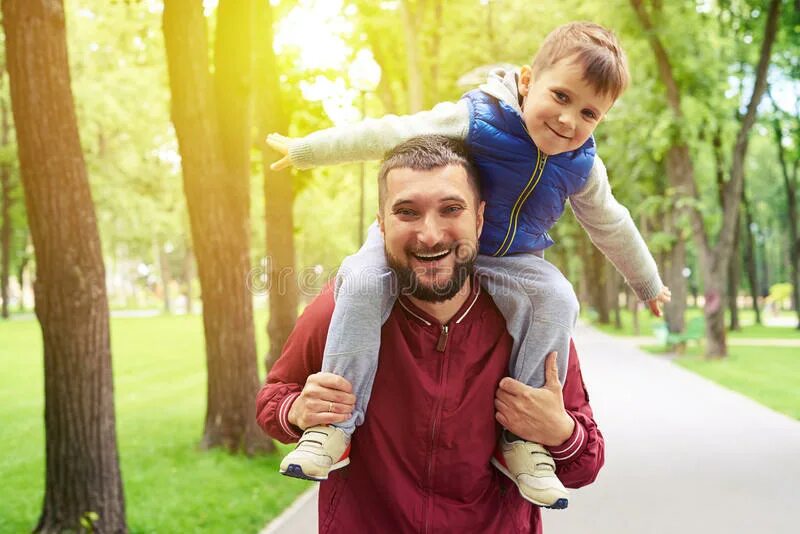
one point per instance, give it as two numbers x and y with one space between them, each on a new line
280 144
664 296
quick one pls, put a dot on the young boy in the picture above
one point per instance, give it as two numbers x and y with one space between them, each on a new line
530 135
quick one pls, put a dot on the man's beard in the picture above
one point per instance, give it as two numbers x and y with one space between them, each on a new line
410 285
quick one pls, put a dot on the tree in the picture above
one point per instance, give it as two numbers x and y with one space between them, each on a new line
82 469
714 259
278 195
212 122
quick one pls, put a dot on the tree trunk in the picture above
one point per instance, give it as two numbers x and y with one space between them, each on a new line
613 293
216 194
23 264
675 310
278 198
790 185
166 277
750 257
411 16
714 260
82 467
188 277
5 231
734 275
597 289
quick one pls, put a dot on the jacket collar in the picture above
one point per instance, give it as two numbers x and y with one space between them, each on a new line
412 310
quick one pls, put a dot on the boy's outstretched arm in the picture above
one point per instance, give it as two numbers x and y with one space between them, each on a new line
612 230
368 139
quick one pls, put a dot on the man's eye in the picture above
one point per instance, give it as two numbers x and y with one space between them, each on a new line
453 209
405 212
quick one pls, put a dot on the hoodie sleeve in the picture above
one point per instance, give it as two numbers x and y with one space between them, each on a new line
301 357
611 229
579 458
372 138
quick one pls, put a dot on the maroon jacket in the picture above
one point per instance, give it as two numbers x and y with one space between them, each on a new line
420 461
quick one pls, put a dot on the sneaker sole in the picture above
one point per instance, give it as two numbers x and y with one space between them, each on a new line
559 504
296 471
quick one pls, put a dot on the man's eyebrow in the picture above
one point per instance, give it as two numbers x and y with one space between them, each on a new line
401 201
457 198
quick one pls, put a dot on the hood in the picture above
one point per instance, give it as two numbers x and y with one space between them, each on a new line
502 84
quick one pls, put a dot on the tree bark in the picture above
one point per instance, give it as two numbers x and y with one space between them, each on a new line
412 18
216 193
750 257
790 186
82 467
5 221
188 276
714 261
166 276
734 276
278 198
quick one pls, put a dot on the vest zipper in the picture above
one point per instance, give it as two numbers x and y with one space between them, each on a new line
442 343
533 181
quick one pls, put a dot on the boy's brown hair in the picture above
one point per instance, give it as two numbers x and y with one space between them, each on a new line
595 48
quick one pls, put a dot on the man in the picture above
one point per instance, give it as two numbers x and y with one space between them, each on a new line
421 460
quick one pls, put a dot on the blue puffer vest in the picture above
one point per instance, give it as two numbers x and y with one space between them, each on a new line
524 190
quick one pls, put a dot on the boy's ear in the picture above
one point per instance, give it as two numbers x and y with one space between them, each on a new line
524 80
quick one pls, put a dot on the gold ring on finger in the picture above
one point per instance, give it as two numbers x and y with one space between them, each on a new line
330 407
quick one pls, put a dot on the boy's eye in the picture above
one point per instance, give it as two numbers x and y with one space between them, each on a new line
589 114
561 97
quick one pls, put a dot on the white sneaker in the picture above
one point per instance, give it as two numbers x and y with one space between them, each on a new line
321 449
533 470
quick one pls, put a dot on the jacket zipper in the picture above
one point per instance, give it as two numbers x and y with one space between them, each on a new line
533 181
441 346
442 343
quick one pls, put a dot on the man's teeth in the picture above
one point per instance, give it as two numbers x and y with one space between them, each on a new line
433 256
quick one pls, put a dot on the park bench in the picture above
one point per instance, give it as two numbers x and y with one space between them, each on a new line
695 331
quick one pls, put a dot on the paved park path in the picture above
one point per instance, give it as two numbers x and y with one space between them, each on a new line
683 455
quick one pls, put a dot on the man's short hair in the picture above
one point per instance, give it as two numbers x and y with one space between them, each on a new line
597 50
425 153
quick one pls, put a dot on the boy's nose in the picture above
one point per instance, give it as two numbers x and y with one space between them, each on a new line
567 120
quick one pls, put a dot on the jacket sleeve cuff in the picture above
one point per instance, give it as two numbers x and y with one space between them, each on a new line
300 154
572 446
283 416
648 289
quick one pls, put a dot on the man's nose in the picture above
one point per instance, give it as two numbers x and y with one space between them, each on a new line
430 231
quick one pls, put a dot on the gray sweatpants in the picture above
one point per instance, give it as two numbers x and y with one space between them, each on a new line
538 303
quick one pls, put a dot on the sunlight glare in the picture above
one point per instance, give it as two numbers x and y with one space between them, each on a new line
315 28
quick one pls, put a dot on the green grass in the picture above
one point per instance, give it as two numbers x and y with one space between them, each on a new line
160 385
770 376
647 323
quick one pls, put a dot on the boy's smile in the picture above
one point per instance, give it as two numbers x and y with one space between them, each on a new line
559 108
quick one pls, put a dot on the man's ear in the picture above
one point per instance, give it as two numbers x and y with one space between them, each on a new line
524 80
479 217
380 222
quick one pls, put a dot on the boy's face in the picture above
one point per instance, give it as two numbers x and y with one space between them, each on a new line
559 108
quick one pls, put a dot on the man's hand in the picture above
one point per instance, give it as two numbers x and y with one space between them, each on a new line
280 144
535 414
664 296
326 398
